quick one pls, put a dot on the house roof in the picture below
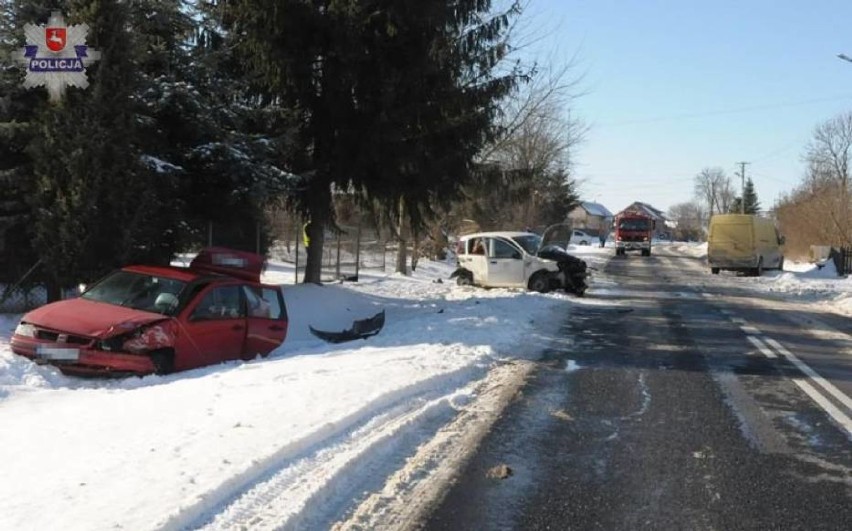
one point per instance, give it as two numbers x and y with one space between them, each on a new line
596 209
648 209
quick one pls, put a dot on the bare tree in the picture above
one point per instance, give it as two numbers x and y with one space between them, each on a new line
818 212
714 189
828 152
527 169
828 168
690 218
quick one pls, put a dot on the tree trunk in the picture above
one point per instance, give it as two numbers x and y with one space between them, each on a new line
415 252
54 291
402 250
320 205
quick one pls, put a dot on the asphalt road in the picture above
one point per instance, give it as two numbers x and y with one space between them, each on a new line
678 400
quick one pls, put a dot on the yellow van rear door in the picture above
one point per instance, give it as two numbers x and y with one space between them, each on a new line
734 238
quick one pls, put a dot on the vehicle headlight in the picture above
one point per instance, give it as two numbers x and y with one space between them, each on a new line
646 239
25 330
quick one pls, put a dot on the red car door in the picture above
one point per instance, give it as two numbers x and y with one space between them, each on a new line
266 318
215 325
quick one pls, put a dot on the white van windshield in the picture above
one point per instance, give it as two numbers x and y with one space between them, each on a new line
528 242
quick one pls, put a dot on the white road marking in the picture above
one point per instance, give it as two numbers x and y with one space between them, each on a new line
739 320
748 329
830 408
825 384
761 347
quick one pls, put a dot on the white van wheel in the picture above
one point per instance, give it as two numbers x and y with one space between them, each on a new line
540 282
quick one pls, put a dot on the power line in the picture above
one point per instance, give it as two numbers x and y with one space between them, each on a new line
719 112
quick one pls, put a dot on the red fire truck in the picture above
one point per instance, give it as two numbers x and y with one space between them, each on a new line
634 231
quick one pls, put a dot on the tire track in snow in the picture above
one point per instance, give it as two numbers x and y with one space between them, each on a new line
302 473
415 488
318 484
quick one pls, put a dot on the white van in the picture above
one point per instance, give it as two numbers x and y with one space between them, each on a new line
743 242
520 260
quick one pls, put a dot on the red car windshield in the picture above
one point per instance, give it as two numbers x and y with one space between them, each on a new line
138 291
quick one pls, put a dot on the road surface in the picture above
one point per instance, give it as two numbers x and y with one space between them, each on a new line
678 400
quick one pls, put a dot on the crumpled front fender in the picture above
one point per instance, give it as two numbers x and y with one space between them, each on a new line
154 337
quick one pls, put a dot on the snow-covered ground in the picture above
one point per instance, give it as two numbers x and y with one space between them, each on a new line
306 435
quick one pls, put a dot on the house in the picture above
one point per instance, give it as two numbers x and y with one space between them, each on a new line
593 217
661 229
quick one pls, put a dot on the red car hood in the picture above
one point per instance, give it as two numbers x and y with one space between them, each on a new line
88 318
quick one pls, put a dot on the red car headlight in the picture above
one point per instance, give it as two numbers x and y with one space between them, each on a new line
25 330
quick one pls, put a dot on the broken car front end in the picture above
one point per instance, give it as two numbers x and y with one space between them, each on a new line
573 272
123 350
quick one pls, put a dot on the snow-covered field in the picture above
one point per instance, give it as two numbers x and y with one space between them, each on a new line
308 434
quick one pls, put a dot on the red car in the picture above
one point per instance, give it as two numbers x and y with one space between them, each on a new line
145 319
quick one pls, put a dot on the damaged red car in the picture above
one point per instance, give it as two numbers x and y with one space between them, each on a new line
151 319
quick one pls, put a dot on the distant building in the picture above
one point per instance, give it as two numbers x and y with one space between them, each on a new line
593 217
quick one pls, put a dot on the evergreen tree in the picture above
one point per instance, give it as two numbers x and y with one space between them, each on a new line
752 205
559 197
166 138
393 98
428 96
98 206
303 52
18 110
231 142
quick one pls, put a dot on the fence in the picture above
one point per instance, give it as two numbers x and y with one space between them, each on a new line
20 300
346 252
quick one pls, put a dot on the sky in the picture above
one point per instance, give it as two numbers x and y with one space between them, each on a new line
668 88
315 433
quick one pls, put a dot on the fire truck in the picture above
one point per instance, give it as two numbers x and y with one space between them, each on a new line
634 231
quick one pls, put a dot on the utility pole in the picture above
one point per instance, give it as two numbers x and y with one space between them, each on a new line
742 186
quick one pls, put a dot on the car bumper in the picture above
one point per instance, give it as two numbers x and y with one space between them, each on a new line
77 360
633 246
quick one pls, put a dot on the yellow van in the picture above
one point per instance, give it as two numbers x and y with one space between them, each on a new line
743 242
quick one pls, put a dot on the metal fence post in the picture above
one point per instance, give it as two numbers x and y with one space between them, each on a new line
358 251
337 262
296 264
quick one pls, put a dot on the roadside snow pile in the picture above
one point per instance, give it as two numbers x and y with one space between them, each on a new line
800 277
695 250
809 270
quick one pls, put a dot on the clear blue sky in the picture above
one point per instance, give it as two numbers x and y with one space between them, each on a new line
674 86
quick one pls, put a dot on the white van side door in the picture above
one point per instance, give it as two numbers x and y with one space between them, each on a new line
473 258
505 264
